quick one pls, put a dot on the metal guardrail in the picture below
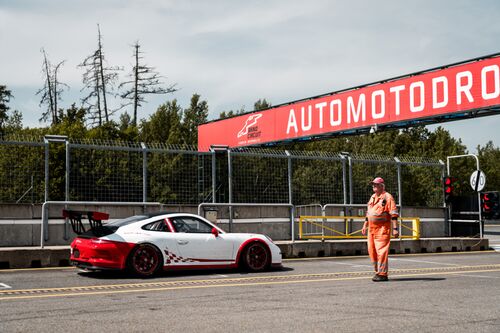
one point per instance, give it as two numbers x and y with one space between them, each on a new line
325 227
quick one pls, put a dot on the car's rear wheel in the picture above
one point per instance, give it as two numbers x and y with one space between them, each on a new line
256 257
145 260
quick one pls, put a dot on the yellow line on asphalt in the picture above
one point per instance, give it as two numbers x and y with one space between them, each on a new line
107 292
284 260
233 285
235 279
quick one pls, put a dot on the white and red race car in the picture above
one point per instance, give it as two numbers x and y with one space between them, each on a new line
147 243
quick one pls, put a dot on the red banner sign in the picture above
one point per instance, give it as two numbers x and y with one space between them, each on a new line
474 85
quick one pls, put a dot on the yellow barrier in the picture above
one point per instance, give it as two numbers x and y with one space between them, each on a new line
323 227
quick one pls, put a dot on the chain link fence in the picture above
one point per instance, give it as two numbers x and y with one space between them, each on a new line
34 171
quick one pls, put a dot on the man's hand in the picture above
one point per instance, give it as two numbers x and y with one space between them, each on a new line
395 232
363 231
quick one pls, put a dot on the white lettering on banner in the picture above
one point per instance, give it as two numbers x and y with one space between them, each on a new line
419 96
292 122
496 81
334 122
356 112
306 127
443 82
420 86
464 89
381 94
320 106
397 102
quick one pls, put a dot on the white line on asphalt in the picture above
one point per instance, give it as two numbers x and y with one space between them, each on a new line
5 286
221 276
424 261
352 265
479 276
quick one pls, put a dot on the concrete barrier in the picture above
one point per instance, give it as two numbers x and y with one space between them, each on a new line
58 256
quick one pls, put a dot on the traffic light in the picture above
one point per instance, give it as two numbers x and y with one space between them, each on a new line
490 205
448 187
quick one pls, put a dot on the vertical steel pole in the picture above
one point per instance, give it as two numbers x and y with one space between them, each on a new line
66 196
230 189
214 175
351 195
344 180
400 192
46 170
144 173
290 193
45 233
66 190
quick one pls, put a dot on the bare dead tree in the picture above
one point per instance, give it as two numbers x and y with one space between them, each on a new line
98 78
144 80
52 89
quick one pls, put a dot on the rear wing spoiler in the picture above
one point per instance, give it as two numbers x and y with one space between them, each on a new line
75 218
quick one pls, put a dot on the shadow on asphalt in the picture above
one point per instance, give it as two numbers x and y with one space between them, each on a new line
428 279
123 275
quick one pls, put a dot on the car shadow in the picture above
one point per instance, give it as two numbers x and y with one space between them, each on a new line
123 275
427 279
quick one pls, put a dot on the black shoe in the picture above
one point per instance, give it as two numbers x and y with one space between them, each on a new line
380 278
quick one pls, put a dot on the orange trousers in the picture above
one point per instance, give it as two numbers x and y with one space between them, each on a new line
379 239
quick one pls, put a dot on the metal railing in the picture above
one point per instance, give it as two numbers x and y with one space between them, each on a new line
341 227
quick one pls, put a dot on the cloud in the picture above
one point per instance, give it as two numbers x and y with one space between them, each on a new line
235 52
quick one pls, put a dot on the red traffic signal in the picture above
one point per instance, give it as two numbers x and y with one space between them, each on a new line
448 183
490 205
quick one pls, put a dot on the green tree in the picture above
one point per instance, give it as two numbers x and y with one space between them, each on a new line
261 104
195 115
164 126
489 160
5 96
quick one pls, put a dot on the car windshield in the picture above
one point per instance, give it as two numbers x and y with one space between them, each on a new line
126 221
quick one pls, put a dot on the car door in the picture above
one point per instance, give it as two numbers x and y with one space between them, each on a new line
196 242
159 233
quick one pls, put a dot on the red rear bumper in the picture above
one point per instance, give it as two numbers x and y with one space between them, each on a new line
96 253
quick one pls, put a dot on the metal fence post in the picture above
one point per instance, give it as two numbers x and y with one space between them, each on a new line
400 184
290 193
351 195
144 172
344 179
230 189
214 174
400 191
46 143
66 190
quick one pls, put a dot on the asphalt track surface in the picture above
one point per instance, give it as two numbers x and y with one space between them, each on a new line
446 292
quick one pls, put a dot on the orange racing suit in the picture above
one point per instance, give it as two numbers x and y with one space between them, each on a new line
381 208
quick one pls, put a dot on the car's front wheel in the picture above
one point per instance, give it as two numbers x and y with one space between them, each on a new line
256 257
145 260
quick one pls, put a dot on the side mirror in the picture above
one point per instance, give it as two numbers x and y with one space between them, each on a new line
215 232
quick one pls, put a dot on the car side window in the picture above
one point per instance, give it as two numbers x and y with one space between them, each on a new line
191 225
156 226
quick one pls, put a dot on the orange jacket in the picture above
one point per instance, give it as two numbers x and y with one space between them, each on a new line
381 208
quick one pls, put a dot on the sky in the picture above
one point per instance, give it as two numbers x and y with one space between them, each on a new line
233 53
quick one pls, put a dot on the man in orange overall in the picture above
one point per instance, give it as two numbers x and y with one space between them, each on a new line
381 214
